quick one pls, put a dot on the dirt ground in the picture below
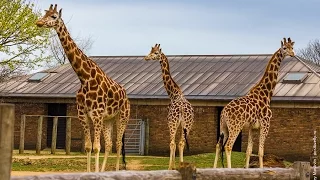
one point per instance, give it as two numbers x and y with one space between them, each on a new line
30 173
133 165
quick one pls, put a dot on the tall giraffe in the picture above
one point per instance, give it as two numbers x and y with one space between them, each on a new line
252 109
100 99
180 110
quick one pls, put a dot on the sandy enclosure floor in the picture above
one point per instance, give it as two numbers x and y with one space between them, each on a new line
30 173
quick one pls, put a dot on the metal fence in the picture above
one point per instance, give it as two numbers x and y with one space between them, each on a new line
135 136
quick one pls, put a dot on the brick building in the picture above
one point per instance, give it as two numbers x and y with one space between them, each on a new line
208 81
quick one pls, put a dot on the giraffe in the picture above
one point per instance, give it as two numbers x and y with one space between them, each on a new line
180 110
252 110
100 100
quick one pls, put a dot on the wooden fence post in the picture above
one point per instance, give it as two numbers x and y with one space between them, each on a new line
302 169
6 139
68 135
39 135
22 131
54 135
187 171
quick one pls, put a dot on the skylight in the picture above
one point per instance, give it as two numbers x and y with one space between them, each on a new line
38 76
296 77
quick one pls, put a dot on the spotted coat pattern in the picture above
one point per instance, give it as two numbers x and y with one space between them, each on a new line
100 100
252 109
180 111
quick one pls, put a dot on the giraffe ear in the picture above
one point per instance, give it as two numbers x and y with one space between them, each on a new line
60 13
292 43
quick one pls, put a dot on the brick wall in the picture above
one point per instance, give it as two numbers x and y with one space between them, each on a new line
290 135
201 139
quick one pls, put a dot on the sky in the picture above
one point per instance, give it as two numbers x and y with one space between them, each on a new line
186 27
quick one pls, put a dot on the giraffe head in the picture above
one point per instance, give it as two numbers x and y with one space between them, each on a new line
51 19
287 47
154 54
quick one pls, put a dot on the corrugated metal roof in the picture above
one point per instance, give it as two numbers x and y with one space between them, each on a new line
219 77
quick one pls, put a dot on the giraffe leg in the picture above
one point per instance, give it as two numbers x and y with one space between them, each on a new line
172 153
173 131
228 155
121 127
261 151
216 158
84 120
263 135
249 148
120 134
173 124
107 130
97 125
228 147
181 145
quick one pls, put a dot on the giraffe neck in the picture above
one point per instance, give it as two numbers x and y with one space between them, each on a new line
268 82
171 86
80 63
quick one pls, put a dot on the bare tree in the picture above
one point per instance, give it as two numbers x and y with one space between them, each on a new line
311 52
57 53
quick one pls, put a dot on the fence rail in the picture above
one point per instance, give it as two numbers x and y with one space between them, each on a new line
187 171
6 139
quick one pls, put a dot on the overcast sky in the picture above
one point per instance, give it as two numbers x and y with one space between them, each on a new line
131 27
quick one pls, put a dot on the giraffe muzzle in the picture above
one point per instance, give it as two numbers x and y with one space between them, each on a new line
39 23
146 58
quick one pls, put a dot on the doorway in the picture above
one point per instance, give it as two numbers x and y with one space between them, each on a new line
237 144
57 109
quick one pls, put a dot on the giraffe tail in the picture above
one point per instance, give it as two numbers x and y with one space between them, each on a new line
185 137
221 139
123 152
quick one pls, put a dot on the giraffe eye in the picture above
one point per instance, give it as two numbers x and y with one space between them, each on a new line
54 16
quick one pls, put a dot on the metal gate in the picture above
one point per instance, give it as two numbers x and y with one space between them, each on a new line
135 136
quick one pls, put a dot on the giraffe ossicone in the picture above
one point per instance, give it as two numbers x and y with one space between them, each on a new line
180 113
100 99
252 109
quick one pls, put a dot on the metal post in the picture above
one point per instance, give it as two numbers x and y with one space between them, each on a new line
146 151
142 137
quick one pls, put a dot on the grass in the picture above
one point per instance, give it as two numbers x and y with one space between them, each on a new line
77 162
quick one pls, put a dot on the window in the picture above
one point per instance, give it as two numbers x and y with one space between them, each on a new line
296 77
38 76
